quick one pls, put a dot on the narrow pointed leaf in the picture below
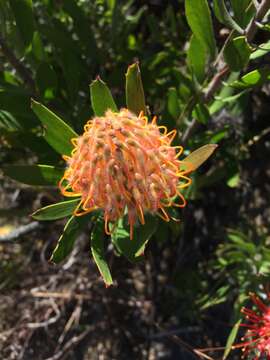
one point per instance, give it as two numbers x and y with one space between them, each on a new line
57 133
97 249
231 339
199 156
134 90
23 13
133 249
101 97
73 228
38 175
56 211
199 19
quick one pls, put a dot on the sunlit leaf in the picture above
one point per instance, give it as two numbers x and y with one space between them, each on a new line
56 211
38 175
262 50
101 97
254 78
199 19
57 133
199 156
134 90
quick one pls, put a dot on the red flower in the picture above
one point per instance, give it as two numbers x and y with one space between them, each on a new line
123 163
256 341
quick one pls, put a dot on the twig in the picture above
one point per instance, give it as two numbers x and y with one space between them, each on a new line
69 345
60 295
22 230
74 318
252 26
22 71
186 346
49 321
215 83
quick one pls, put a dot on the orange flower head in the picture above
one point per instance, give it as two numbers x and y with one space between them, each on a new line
256 342
121 164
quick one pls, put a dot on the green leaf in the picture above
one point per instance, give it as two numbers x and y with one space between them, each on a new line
66 241
262 50
173 103
199 156
56 211
196 58
23 13
254 78
224 16
134 90
199 19
38 175
133 249
237 53
234 180
231 339
97 249
243 11
101 97
57 133
201 113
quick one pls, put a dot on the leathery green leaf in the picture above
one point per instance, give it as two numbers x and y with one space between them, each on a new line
134 90
237 53
199 156
56 211
253 78
37 175
57 133
231 339
133 249
199 19
224 16
97 249
196 58
66 241
101 97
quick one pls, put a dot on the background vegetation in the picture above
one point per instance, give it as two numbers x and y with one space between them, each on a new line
205 70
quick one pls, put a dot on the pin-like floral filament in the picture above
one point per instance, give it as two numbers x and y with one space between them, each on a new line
123 163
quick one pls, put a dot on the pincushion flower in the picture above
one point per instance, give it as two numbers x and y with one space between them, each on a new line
256 341
123 163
